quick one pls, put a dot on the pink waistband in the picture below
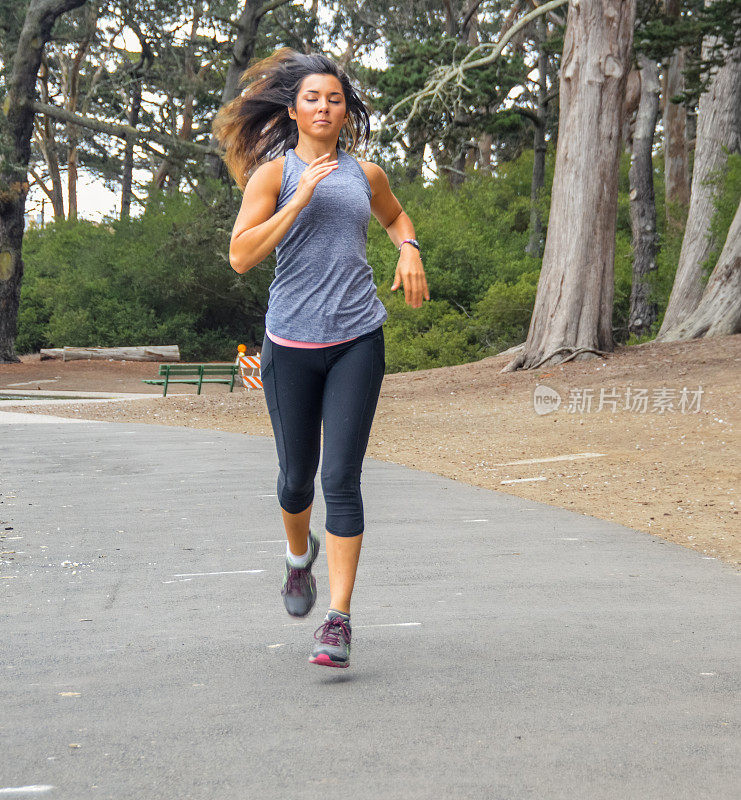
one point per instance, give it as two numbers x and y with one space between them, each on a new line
290 343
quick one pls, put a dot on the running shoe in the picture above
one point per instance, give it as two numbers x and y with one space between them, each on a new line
299 585
333 647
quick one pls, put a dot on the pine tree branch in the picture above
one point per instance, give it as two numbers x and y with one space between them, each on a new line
443 77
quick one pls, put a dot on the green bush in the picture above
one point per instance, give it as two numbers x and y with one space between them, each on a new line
163 278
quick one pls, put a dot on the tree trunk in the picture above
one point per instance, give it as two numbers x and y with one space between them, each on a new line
484 145
415 154
16 129
642 202
46 141
676 167
573 304
718 132
165 352
719 311
535 243
72 131
128 159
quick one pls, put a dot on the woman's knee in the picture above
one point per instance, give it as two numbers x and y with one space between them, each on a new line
295 492
340 479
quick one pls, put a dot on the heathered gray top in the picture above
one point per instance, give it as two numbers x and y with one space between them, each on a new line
323 289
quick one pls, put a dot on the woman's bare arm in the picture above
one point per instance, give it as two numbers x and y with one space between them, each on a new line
258 228
388 211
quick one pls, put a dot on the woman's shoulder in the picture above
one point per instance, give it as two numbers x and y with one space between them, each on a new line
375 174
269 174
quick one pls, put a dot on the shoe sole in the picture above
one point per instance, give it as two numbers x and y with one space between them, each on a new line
324 660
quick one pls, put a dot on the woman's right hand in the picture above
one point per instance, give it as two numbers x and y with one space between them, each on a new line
315 170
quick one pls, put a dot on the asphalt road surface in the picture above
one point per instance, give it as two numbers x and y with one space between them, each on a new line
502 649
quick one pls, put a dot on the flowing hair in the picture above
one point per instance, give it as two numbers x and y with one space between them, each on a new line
255 125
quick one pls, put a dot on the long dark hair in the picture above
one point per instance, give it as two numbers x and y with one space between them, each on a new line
255 125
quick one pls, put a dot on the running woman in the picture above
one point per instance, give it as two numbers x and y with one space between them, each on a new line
323 355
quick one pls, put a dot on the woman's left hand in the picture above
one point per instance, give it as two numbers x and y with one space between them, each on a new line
411 273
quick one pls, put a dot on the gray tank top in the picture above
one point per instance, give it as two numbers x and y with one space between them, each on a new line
323 289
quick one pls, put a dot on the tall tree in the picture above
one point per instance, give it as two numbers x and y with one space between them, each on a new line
573 304
642 201
16 129
718 133
539 118
719 311
676 169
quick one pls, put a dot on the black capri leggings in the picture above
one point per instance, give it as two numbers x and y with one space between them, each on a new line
337 386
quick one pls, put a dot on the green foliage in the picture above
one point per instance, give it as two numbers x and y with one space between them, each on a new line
502 316
470 237
705 31
163 278
433 335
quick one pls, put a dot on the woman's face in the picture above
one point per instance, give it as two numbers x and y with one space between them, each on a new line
320 107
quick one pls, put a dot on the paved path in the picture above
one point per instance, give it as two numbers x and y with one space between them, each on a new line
503 649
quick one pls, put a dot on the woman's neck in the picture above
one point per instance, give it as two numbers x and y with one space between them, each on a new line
308 151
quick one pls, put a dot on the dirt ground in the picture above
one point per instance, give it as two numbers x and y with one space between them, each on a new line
668 464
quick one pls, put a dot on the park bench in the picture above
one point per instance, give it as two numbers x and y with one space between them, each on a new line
196 374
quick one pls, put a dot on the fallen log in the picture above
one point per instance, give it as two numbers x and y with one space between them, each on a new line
169 352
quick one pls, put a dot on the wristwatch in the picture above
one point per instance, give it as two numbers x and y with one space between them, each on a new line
412 242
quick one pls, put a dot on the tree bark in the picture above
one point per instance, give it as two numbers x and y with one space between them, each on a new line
15 153
718 132
676 167
573 304
642 202
535 243
719 311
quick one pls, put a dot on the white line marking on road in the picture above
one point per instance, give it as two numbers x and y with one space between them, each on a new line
573 457
475 520
272 646
390 625
16 418
523 480
567 539
226 572
35 789
267 541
